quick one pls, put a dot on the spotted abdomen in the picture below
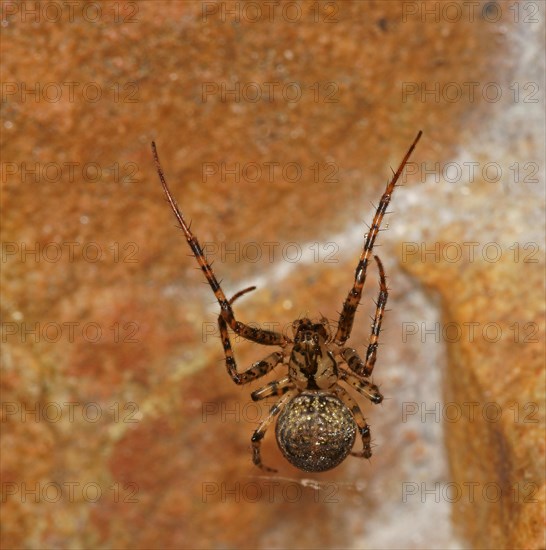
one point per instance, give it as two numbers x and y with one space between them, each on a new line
315 431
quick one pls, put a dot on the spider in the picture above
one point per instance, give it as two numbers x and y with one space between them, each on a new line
317 418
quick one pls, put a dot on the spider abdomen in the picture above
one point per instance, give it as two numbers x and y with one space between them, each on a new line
315 431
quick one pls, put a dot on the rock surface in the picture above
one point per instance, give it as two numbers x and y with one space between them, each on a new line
120 427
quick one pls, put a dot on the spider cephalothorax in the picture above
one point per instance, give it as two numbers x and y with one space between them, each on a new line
318 419
311 366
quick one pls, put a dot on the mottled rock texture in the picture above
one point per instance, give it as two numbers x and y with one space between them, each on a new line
494 394
120 427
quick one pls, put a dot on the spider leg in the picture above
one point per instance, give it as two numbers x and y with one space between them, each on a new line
260 336
363 427
257 370
259 434
277 387
371 353
366 388
346 318
241 293
349 355
353 360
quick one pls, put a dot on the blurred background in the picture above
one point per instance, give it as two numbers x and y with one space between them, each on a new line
277 124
